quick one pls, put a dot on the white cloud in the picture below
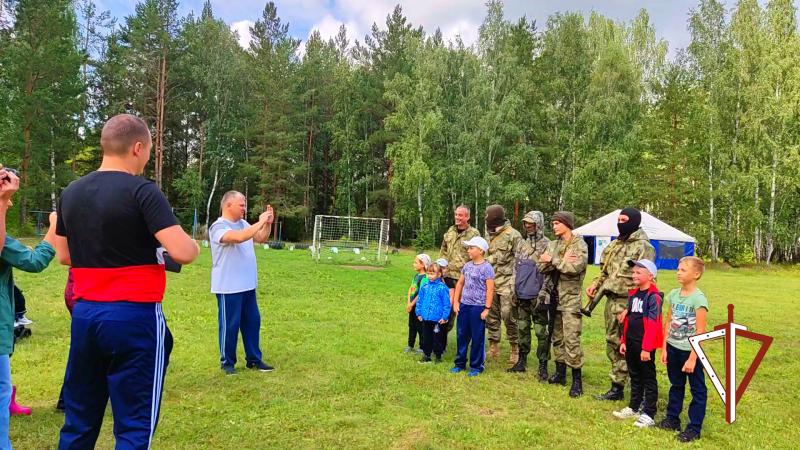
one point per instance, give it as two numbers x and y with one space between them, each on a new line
242 30
453 17
328 28
467 29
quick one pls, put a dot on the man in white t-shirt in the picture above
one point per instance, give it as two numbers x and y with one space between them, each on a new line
234 280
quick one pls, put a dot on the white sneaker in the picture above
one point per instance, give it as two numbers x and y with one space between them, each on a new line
24 321
626 413
644 421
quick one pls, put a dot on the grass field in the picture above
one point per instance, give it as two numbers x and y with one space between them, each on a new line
336 336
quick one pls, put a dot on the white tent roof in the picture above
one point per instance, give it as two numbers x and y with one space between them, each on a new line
655 229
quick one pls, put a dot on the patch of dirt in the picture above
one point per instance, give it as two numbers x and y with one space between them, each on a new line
367 268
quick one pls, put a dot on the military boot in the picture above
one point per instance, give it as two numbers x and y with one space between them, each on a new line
494 349
514 356
617 392
542 371
521 364
560 375
577 384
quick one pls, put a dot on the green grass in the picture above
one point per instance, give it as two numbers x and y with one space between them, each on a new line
336 335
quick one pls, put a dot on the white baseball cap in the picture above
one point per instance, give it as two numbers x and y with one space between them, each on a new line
441 262
479 242
645 263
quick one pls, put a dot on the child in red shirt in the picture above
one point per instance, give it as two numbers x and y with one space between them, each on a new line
643 334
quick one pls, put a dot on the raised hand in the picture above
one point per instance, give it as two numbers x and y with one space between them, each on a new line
270 214
9 184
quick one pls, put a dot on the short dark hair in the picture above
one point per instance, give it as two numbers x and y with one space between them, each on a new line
121 132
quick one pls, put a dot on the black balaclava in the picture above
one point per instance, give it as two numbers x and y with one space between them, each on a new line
495 217
634 220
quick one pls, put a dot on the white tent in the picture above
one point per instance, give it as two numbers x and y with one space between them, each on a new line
670 243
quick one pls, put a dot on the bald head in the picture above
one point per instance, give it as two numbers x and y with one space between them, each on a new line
122 132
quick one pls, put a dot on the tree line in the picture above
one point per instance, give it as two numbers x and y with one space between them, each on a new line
580 113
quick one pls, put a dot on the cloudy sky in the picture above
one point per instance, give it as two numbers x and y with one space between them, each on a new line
454 17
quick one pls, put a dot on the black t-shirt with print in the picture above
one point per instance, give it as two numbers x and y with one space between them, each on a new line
635 330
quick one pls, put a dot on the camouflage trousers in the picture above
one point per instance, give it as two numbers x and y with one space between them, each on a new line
619 368
502 310
528 313
567 338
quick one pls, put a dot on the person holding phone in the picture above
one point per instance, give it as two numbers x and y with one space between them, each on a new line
234 280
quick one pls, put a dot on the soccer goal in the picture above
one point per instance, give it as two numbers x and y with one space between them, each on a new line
350 240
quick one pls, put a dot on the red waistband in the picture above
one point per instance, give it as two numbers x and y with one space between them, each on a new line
144 284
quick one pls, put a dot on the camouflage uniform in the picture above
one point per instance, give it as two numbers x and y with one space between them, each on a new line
453 249
528 311
567 326
615 277
503 245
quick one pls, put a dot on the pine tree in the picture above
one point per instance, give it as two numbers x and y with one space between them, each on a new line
41 64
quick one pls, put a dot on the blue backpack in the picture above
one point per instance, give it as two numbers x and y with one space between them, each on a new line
529 280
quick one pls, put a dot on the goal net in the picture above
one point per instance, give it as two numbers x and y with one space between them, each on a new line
350 240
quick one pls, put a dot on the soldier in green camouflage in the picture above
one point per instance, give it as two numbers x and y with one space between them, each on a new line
504 241
615 280
453 249
455 253
568 257
529 285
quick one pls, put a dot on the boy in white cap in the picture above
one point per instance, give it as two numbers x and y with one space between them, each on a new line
471 302
643 333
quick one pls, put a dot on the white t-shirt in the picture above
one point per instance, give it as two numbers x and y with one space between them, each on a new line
233 266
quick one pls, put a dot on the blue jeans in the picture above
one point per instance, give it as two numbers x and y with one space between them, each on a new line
676 358
238 311
471 329
5 401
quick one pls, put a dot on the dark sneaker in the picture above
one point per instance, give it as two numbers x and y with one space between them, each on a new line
688 435
229 370
670 424
617 392
425 360
260 366
438 360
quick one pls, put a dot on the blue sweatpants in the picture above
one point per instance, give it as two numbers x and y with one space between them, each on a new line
471 328
118 350
237 312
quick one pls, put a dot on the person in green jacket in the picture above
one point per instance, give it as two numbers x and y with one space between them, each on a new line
14 255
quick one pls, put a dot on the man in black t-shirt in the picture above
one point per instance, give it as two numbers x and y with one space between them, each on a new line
110 224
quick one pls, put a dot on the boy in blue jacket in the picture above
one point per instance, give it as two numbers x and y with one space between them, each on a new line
433 310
